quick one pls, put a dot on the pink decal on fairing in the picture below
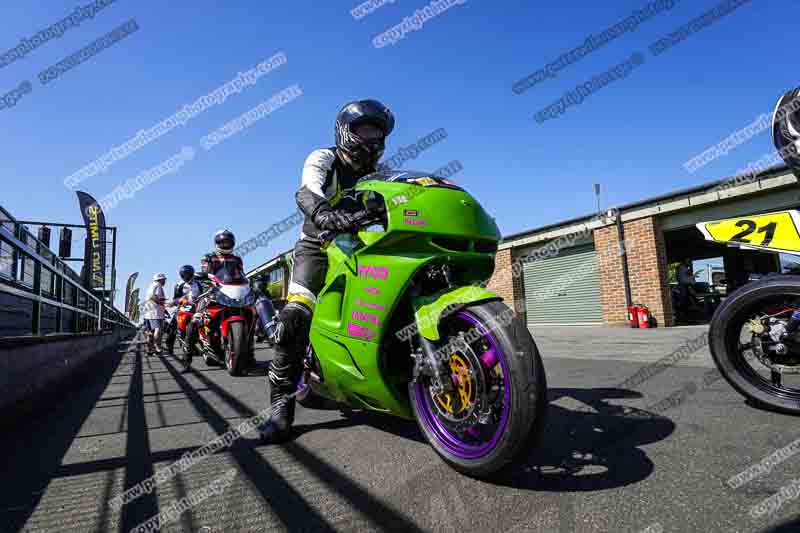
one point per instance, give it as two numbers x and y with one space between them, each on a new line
415 221
366 317
374 272
362 303
372 290
360 331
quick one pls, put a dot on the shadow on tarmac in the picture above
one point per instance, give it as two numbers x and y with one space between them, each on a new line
586 450
591 449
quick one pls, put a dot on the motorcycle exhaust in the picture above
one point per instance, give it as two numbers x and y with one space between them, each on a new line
266 315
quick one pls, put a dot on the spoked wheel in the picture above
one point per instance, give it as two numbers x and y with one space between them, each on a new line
497 409
752 347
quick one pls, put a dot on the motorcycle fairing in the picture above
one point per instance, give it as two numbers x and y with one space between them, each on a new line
365 285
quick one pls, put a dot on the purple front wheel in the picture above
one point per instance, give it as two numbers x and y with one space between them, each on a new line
494 410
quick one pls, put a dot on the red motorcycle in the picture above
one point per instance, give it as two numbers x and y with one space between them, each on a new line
178 328
228 321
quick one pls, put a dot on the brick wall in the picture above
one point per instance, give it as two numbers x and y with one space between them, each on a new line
502 281
612 286
647 266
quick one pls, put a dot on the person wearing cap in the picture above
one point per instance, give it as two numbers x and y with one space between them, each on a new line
154 313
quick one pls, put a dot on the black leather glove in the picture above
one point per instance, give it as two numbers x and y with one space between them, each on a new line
334 220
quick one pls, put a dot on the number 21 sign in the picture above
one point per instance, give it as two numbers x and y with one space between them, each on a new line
770 231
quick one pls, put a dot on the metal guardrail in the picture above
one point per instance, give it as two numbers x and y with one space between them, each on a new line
40 294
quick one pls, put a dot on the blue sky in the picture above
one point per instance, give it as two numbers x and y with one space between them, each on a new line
456 73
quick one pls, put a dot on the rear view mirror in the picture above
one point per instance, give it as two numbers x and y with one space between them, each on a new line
786 129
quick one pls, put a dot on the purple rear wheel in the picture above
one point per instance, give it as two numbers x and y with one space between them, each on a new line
498 402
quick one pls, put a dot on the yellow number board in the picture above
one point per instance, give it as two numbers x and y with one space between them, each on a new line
772 231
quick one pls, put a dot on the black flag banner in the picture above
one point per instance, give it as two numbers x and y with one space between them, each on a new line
95 254
129 291
134 313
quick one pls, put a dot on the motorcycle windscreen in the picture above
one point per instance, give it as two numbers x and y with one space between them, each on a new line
237 293
777 232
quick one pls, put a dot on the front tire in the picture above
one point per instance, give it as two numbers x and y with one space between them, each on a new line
725 340
519 405
236 349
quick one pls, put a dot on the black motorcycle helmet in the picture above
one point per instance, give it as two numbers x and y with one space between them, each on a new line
364 152
786 128
186 273
224 241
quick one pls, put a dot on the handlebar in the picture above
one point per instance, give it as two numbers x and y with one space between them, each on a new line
363 219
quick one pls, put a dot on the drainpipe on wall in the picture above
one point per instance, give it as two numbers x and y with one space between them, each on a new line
624 253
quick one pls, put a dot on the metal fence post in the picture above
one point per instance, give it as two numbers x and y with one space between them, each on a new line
36 326
59 287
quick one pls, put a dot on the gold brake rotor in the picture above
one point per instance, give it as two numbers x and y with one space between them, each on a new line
464 388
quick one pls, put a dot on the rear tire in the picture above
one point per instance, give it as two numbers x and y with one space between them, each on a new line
525 415
237 349
724 336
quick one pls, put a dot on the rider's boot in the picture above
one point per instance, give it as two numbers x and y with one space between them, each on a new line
285 369
170 342
282 386
191 345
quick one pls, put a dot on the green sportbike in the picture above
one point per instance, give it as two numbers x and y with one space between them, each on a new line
405 327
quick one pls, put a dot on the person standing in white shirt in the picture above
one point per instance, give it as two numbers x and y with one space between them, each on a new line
154 313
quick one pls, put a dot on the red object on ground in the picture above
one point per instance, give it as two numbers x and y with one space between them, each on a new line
644 317
633 316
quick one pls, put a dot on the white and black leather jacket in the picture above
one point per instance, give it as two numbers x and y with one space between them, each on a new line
327 183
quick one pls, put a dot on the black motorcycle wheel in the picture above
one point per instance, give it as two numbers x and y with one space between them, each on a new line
236 349
728 350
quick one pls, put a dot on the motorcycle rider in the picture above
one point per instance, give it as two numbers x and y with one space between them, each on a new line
221 259
224 242
186 292
327 200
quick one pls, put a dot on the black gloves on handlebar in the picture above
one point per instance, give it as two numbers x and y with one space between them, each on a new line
334 220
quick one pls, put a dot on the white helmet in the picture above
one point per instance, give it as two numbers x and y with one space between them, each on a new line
159 277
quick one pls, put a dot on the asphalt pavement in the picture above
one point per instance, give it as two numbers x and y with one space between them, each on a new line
652 457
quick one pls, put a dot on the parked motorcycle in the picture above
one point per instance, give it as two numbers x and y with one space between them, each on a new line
755 333
404 327
228 321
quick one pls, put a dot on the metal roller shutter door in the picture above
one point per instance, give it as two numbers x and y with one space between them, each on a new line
564 289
